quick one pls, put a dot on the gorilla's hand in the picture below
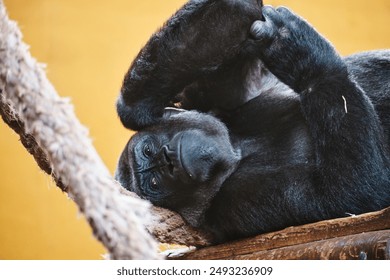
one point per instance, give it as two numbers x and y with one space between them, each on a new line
293 50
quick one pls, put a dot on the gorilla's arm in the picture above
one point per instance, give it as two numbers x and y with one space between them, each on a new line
347 169
200 39
349 148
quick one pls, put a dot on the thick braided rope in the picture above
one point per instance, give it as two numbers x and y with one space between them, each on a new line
26 93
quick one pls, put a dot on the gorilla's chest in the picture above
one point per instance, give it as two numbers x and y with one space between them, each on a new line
277 148
272 131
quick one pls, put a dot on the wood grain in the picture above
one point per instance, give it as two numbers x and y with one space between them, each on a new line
291 236
363 246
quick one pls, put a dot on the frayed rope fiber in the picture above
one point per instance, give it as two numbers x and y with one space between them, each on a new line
48 128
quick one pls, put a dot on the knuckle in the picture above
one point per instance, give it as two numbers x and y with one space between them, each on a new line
283 9
267 10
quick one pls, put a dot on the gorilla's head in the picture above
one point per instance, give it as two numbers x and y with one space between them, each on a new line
180 163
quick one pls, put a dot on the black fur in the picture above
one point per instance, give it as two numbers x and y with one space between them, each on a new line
288 131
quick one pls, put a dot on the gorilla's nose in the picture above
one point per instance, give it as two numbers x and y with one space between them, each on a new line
198 155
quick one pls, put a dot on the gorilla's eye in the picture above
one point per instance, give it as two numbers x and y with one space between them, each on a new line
153 182
147 151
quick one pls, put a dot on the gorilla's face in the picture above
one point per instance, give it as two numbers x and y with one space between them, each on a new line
179 163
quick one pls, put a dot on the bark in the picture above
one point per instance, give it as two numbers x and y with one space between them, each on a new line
297 235
363 246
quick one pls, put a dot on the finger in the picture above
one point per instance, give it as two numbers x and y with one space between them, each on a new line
270 14
293 20
287 14
262 31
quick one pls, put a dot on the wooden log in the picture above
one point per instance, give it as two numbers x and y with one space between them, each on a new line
368 222
363 246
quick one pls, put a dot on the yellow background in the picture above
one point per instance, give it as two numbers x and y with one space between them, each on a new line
88 46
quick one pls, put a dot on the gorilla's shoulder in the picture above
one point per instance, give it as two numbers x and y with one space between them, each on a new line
369 59
371 70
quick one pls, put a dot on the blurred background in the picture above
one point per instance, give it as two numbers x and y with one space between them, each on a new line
88 45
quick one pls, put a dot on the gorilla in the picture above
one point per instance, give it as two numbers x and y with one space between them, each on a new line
249 121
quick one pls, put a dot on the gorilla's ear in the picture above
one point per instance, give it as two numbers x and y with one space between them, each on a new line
171 111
